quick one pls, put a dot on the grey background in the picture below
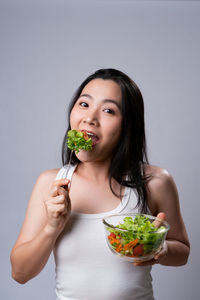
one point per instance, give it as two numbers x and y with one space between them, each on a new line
47 50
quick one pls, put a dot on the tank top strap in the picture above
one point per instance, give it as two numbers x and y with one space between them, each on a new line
66 172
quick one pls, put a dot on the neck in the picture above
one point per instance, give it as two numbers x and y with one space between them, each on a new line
94 171
98 173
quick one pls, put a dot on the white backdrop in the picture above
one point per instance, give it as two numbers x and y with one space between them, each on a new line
47 50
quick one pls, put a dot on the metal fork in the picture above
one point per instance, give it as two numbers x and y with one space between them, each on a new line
69 163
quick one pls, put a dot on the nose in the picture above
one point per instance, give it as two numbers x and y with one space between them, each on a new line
91 118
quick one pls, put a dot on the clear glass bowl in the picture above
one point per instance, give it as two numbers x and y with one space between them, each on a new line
135 243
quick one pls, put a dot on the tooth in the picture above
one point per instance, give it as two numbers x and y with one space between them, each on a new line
89 133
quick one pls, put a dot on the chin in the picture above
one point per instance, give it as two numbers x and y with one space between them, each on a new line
92 156
84 156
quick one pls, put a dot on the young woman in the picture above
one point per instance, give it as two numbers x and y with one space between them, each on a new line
65 214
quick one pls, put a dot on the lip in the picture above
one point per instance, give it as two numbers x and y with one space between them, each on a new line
94 140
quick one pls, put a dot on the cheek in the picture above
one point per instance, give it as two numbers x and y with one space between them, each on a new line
73 118
116 135
114 130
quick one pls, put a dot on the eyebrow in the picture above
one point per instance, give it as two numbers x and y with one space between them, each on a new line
104 100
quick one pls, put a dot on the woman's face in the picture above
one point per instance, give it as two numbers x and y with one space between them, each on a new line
98 112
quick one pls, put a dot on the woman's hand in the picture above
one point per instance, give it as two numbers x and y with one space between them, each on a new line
58 206
164 250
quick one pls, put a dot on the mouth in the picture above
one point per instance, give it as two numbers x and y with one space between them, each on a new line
94 137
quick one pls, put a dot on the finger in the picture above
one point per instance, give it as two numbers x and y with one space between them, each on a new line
62 191
60 208
56 210
64 187
58 188
159 219
145 263
61 182
54 202
54 191
57 200
162 252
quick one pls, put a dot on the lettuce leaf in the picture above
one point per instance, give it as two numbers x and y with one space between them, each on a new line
76 141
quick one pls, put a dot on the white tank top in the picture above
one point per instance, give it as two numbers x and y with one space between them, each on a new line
86 269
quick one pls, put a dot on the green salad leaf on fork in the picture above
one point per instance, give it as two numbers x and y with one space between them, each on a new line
78 140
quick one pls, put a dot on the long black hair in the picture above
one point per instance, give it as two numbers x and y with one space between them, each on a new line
130 155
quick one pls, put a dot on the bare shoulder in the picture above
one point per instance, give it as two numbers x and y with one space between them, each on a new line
156 172
161 189
159 177
45 180
48 176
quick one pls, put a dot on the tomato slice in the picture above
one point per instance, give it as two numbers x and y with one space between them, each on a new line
113 235
138 250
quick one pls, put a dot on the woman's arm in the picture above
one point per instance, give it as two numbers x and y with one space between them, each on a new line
46 217
163 197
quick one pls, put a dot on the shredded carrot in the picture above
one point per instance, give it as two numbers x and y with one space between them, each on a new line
131 244
85 136
119 247
113 240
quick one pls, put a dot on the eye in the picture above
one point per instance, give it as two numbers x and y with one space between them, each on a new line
83 104
109 111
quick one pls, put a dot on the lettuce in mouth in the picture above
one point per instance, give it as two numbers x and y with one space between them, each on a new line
78 140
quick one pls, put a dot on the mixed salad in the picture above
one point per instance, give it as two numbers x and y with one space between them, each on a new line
77 140
139 237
